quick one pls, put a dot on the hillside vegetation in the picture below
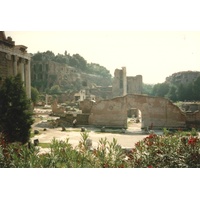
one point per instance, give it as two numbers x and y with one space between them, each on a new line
76 61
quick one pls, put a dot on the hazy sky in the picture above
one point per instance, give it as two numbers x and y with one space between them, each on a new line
152 38
153 54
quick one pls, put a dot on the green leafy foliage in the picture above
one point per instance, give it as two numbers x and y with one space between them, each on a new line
98 74
176 92
34 95
167 151
55 89
76 61
15 111
160 89
147 88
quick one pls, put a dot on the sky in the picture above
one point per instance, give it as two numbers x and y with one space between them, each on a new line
150 38
152 54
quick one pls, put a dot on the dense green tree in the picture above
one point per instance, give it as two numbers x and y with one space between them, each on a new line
181 92
78 61
147 88
48 55
172 93
189 92
34 95
61 59
196 89
15 111
160 89
55 89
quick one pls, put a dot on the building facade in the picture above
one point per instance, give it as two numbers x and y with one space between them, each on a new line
14 60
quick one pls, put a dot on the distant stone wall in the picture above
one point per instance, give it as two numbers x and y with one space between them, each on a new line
134 84
45 74
158 111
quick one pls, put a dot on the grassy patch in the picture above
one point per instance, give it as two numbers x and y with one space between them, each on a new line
109 131
72 130
44 145
32 135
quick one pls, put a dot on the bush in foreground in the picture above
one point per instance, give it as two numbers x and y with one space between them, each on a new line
167 151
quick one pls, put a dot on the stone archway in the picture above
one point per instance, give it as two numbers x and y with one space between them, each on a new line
134 119
158 111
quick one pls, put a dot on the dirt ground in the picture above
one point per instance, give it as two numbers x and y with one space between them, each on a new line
128 139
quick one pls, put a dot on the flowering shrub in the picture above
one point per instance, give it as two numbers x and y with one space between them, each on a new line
166 151
154 151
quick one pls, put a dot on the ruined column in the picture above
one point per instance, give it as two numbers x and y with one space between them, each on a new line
16 58
46 99
28 78
124 81
22 69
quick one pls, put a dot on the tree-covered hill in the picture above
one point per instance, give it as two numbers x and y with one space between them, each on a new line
76 61
176 89
68 72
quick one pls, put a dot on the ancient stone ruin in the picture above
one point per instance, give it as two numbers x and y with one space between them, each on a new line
156 112
14 59
101 106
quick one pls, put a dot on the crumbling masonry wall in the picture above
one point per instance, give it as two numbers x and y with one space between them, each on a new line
158 111
123 85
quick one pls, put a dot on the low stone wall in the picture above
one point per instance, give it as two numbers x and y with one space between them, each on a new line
86 106
82 119
193 120
69 118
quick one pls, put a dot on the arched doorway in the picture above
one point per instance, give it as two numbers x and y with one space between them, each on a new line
134 119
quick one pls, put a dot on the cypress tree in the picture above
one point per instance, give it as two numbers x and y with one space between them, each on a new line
15 111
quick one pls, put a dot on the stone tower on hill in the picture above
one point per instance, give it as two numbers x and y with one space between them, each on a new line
123 85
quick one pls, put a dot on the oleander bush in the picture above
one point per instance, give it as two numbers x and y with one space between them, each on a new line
172 151
178 150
